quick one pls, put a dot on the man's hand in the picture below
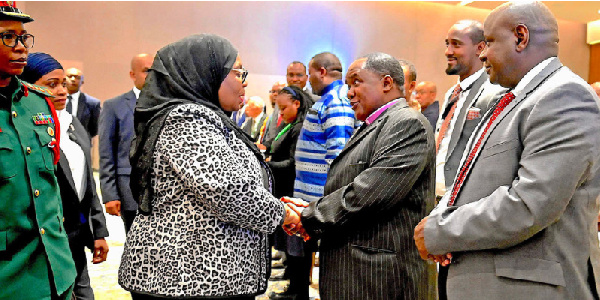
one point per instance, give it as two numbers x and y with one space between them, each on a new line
113 207
419 237
100 251
295 206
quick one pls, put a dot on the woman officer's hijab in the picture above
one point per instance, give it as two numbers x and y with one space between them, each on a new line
188 71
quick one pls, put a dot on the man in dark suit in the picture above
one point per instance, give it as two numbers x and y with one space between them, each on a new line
116 134
376 189
83 106
425 93
519 222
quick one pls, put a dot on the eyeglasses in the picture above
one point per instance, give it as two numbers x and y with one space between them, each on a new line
10 39
241 73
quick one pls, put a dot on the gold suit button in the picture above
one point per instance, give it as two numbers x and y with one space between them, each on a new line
42 231
28 150
36 193
63 219
14 113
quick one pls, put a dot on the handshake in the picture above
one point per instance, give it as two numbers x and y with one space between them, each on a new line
292 224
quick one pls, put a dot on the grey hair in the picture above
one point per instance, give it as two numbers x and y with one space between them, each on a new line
385 64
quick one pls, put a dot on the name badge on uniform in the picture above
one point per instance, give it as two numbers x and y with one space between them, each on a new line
474 113
42 119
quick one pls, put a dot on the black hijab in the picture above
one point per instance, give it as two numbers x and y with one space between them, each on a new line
188 71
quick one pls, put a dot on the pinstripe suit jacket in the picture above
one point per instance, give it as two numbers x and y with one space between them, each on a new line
377 190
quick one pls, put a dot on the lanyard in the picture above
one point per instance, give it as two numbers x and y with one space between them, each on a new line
284 130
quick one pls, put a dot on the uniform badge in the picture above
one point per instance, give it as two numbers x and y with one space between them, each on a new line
50 131
43 119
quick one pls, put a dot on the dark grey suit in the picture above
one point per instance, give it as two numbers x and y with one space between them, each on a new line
524 222
88 113
116 134
377 190
463 128
83 220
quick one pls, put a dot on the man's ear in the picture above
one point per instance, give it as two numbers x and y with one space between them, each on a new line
130 75
522 37
480 47
322 71
388 83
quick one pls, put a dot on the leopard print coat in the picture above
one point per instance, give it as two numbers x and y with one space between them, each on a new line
207 233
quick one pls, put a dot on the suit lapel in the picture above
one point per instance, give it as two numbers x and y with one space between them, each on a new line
364 131
548 71
81 106
64 165
131 100
475 91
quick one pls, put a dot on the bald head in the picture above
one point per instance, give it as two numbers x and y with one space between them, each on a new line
426 92
519 35
540 24
275 91
139 69
596 87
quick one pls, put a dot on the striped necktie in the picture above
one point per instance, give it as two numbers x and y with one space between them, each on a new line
446 123
462 175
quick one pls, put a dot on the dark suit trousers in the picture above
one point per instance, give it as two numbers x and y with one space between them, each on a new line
298 270
82 289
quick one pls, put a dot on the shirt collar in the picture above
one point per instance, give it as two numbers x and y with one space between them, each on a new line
467 82
75 95
374 115
136 91
331 86
531 74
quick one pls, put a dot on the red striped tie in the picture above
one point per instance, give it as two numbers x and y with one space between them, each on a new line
462 175
446 123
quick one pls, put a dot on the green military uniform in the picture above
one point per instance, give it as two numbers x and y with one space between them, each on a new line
35 260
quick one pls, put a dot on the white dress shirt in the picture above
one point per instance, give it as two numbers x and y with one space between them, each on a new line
73 152
137 92
75 102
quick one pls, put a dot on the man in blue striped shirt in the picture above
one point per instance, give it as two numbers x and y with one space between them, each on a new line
328 126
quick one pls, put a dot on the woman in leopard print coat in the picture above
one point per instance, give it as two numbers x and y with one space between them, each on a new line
205 216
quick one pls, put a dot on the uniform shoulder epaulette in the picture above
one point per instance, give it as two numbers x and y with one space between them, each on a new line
44 91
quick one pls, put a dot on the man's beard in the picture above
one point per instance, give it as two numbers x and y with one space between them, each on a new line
452 70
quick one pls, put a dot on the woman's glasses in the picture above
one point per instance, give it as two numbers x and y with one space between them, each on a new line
241 74
10 39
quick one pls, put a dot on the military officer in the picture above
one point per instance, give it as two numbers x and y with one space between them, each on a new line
35 260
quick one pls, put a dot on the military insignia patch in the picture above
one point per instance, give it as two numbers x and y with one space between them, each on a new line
42 119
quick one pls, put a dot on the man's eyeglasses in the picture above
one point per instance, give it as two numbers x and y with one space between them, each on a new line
241 73
10 39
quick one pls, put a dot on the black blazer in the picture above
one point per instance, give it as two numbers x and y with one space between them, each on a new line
88 113
282 161
83 221
116 134
378 189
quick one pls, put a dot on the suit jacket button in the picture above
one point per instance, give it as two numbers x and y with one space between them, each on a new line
28 150
36 193
14 114
42 231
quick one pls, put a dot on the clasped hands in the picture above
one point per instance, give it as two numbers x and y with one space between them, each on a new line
292 224
419 238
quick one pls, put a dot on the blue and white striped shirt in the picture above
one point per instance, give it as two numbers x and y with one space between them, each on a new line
328 126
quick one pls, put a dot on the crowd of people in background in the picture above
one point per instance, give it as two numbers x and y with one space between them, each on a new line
490 192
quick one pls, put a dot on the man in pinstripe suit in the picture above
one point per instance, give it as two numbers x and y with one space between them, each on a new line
376 191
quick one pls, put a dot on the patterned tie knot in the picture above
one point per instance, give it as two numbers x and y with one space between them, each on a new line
456 93
508 97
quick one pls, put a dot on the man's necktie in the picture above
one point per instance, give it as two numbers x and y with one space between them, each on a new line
69 104
462 175
446 123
